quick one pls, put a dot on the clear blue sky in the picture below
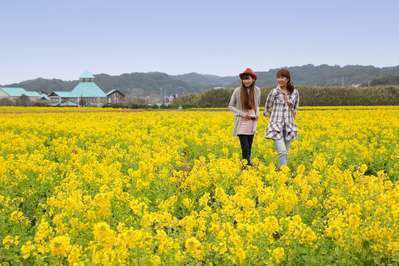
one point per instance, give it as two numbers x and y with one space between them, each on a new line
60 39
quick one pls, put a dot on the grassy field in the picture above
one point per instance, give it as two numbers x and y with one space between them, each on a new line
116 186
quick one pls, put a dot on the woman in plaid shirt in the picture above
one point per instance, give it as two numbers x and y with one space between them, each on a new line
281 106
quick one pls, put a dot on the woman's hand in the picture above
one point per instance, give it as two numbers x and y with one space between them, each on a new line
287 101
286 98
247 116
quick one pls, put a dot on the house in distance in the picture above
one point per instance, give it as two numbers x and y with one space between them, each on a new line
115 96
85 93
15 93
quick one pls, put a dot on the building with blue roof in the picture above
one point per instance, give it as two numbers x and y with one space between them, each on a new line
86 92
13 93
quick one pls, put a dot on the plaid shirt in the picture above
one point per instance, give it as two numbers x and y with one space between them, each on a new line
282 114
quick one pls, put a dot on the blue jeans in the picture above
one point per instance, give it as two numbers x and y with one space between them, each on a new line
282 146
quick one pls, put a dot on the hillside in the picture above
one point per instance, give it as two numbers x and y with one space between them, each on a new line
148 84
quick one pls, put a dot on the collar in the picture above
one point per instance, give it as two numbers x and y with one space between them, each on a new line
279 89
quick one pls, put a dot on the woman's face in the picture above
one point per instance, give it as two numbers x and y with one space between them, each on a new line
247 80
282 81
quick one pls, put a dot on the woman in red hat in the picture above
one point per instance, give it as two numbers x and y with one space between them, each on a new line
244 103
281 106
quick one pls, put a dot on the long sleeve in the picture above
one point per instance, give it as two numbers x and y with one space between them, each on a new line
269 103
232 106
296 104
257 101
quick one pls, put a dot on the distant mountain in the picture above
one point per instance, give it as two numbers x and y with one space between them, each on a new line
134 84
149 84
44 85
325 75
145 84
202 81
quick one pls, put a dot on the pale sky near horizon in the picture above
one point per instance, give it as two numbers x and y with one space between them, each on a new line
61 39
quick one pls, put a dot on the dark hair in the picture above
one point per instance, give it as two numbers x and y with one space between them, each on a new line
285 73
247 99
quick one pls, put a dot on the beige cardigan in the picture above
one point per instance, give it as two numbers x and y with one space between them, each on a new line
236 108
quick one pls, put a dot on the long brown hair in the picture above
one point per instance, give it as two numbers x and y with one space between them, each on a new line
248 99
285 73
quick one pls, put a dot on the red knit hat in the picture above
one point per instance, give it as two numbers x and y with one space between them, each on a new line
248 71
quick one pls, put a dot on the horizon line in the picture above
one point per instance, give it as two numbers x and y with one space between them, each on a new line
200 73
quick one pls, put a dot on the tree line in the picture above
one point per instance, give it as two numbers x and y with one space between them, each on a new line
309 96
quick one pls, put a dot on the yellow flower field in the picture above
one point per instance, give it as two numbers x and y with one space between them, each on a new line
166 187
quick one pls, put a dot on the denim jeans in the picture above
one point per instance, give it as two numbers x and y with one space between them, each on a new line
246 147
282 146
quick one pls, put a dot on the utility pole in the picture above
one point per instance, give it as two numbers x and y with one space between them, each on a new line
162 95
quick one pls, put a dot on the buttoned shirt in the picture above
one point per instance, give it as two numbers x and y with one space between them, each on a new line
282 114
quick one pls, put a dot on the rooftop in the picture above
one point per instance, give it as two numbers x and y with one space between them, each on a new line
16 92
87 75
83 89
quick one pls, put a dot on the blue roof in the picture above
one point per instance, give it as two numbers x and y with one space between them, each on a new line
63 93
87 89
16 92
44 96
87 75
68 103
83 89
